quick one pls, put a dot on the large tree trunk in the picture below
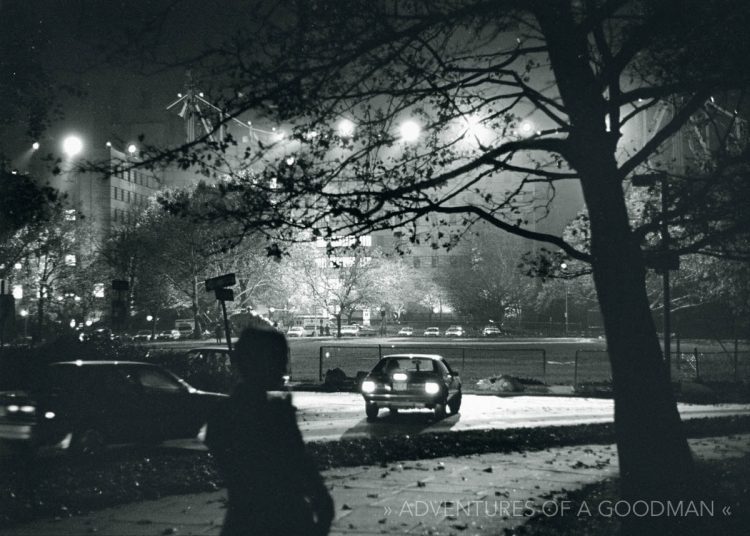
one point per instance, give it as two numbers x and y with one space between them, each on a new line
653 451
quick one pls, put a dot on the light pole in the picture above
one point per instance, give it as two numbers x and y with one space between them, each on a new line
667 262
25 316
565 285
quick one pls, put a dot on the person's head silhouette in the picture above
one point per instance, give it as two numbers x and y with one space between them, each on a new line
261 357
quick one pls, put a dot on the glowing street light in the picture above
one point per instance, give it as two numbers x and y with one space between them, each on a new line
526 128
410 131
72 146
345 128
35 146
132 149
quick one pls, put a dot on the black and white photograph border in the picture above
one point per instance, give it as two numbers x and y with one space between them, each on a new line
374 267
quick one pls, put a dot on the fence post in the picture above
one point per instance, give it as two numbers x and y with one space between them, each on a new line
544 365
320 364
697 364
575 370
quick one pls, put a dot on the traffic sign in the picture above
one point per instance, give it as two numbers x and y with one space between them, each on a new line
226 280
120 285
224 294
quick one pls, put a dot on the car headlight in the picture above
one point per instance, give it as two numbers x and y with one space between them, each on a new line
431 388
368 386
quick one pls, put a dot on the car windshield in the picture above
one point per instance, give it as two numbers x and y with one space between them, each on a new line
406 364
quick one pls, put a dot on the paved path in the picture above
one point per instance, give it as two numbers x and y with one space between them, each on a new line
480 494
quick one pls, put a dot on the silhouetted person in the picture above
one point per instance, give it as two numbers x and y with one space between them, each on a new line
218 332
273 485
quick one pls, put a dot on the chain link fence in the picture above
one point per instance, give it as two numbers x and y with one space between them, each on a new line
472 363
580 366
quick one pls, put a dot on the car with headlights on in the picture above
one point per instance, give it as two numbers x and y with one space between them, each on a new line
85 405
431 332
405 381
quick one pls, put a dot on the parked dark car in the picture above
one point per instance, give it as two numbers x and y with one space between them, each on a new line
85 405
412 381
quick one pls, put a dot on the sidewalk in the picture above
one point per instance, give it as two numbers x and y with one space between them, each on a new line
481 494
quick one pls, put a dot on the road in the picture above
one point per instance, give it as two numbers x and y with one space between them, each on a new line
335 416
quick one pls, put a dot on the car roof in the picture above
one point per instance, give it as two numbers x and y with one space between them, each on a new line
99 363
209 349
436 357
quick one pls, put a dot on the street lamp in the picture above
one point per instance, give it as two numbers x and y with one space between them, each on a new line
345 128
526 128
72 146
409 131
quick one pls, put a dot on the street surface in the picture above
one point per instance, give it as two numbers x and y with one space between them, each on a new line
334 416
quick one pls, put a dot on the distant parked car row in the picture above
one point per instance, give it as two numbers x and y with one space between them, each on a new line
452 331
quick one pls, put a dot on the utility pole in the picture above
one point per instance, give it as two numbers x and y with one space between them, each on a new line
665 278
667 261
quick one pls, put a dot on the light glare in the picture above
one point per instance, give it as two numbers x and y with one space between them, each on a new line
409 131
72 145
346 128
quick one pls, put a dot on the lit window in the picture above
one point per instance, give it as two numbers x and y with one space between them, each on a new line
70 260
70 215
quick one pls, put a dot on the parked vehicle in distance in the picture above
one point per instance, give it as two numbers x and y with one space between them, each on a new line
349 331
402 381
491 331
184 332
300 331
405 331
143 335
455 331
96 334
170 335
355 330
86 405
432 332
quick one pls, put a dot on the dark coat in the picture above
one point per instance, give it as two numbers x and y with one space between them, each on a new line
273 485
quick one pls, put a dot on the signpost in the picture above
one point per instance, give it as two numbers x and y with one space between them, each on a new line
120 289
223 294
